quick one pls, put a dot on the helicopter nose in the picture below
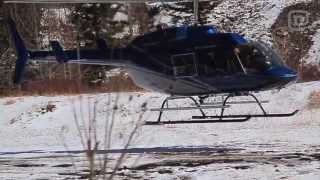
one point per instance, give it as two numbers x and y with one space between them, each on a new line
284 74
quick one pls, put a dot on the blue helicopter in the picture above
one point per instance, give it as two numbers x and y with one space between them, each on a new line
190 62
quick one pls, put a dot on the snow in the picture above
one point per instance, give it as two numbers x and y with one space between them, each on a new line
28 133
163 18
120 16
252 18
275 7
312 56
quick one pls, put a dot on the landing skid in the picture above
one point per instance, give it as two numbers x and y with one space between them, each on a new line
244 116
199 121
222 118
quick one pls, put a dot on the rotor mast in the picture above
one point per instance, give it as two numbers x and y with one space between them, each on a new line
196 11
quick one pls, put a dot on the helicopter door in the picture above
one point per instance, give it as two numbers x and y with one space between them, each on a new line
184 65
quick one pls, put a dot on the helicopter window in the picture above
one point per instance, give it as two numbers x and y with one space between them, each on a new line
218 61
271 56
206 64
184 65
253 59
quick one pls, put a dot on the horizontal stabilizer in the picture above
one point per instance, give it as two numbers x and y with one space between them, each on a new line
59 52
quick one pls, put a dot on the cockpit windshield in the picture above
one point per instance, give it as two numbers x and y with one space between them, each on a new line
257 57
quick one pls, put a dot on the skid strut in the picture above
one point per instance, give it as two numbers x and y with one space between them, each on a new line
253 96
222 118
165 102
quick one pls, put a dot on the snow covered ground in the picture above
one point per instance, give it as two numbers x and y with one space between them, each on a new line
39 144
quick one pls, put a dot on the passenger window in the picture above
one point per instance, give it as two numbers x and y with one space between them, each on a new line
184 65
206 62
214 62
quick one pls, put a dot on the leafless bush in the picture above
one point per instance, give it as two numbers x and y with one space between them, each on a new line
314 100
88 130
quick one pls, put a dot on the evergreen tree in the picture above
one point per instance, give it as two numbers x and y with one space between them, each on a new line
116 23
183 12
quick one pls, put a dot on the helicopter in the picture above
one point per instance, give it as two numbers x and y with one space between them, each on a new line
192 62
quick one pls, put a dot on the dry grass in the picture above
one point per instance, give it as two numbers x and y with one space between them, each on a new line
120 83
314 100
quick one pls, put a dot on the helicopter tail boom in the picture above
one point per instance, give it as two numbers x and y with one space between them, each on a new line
102 55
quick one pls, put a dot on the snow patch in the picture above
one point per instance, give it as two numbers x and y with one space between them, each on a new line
252 18
120 16
313 55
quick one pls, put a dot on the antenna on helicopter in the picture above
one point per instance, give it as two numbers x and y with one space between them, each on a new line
196 11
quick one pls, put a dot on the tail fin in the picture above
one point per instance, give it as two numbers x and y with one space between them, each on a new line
21 49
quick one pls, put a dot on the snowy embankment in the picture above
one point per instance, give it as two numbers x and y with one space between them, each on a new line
252 18
26 124
35 135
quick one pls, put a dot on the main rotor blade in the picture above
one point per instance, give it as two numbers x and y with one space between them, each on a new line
92 1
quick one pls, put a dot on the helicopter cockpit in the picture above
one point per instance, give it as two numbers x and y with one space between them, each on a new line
253 57
256 57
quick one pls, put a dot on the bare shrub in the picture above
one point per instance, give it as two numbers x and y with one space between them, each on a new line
100 167
314 100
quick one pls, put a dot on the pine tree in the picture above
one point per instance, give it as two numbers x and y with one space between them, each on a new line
182 13
95 21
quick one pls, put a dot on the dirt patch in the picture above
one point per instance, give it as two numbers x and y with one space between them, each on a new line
188 163
192 162
34 112
294 45
236 161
